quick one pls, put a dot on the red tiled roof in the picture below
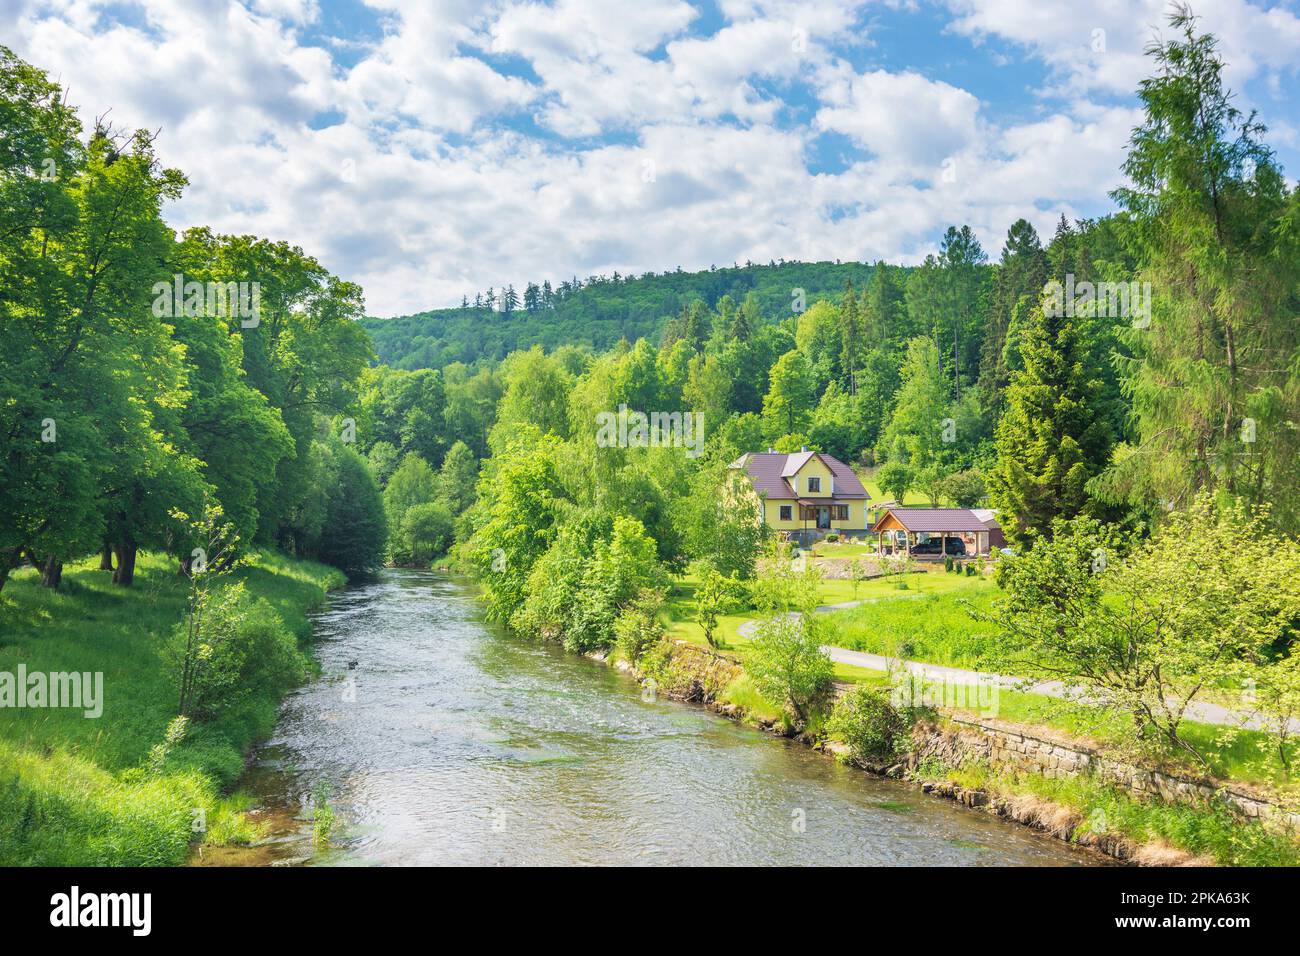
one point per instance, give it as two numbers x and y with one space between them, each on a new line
934 519
768 472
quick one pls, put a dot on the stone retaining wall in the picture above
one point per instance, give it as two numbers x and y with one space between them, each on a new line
968 739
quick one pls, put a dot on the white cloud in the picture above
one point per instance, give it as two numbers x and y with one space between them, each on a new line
902 117
1100 47
405 166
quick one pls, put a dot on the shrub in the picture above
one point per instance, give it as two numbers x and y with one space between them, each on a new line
832 538
874 730
947 563
637 627
243 651
788 666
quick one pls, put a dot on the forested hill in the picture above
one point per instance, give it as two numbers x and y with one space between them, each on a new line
597 311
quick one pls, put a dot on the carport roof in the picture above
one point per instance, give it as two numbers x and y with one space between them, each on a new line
934 520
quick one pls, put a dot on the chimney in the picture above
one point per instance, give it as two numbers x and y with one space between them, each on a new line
771 450
803 448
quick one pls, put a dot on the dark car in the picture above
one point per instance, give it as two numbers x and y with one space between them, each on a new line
955 547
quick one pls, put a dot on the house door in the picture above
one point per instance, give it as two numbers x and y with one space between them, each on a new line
823 517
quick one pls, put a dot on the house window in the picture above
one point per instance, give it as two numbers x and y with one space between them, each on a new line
841 512
786 511
814 484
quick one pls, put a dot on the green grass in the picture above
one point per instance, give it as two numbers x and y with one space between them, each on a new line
851 548
1204 830
931 621
911 499
680 613
72 789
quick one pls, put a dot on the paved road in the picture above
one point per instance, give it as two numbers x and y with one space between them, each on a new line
1201 711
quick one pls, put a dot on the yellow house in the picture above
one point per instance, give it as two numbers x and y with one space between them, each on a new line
806 495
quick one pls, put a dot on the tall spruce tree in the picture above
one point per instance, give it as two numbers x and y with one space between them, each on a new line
1214 379
1055 433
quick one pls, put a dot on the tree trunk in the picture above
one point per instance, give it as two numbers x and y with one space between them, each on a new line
124 575
186 564
106 557
51 572
8 559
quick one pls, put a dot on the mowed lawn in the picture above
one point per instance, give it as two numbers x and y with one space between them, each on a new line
920 586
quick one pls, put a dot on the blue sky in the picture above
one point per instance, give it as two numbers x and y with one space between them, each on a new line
431 149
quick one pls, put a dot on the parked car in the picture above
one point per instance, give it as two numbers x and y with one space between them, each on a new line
955 547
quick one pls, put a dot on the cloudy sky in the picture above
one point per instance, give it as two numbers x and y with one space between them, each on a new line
427 149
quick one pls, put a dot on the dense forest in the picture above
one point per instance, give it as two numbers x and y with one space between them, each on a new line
595 312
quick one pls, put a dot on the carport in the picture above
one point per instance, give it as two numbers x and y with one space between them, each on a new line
944 522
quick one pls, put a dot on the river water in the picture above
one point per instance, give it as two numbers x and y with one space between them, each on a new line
436 739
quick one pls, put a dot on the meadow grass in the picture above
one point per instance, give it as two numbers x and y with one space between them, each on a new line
931 621
76 790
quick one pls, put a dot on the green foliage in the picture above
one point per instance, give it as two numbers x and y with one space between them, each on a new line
638 627
716 595
965 489
426 533
1056 432
915 436
355 530
1212 379
517 519
601 310
457 477
787 581
618 571
788 666
790 399
718 523
1145 627
874 730
243 652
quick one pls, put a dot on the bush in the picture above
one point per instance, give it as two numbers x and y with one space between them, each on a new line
947 563
244 651
874 730
788 666
832 538
637 627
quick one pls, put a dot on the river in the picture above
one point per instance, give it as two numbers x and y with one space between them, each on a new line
437 739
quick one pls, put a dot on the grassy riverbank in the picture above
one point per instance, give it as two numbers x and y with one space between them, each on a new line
93 791
931 621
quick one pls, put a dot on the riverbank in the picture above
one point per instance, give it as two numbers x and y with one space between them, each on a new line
1083 810
108 790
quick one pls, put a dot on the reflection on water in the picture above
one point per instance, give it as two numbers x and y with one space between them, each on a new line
443 741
